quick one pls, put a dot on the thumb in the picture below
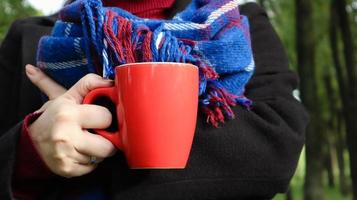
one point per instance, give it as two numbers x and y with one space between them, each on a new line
89 82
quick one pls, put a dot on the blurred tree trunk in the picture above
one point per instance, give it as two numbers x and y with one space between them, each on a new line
340 140
329 167
349 84
305 43
340 149
336 119
333 131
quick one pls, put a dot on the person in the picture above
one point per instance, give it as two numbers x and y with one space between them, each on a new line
46 152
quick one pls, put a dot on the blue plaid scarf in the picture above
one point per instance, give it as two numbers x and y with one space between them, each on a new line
211 34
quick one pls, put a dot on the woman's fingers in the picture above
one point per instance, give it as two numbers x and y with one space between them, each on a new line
74 170
80 170
94 116
94 145
85 85
84 159
44 83
53 90
43 107
59 133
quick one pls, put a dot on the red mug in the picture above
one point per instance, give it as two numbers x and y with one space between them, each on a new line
156 106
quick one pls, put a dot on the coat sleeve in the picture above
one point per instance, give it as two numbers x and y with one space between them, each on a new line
8 144
11 123
10 70
253 156
18 96
10 130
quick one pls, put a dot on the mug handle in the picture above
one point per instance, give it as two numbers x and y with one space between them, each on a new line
109 92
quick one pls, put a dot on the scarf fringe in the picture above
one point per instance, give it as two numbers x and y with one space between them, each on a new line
126 46
219 102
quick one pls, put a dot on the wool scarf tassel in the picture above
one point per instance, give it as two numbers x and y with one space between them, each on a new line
219 101
91 18
124 46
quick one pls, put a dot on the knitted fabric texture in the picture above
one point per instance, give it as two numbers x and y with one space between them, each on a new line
211 34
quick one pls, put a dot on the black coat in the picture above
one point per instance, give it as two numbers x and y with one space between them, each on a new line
251 157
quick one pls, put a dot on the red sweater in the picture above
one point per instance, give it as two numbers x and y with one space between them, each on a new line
31 175
156 9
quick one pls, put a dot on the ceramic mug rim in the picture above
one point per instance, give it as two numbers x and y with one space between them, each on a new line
155 63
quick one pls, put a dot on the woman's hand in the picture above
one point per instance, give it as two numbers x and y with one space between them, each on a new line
60 134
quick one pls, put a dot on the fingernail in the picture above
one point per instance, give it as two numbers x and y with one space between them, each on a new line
31 70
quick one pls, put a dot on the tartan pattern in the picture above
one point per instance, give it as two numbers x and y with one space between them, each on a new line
211 34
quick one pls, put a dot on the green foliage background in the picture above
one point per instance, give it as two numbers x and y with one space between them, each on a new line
282 15
11 10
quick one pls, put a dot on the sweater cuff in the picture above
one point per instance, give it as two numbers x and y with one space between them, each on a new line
29 167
